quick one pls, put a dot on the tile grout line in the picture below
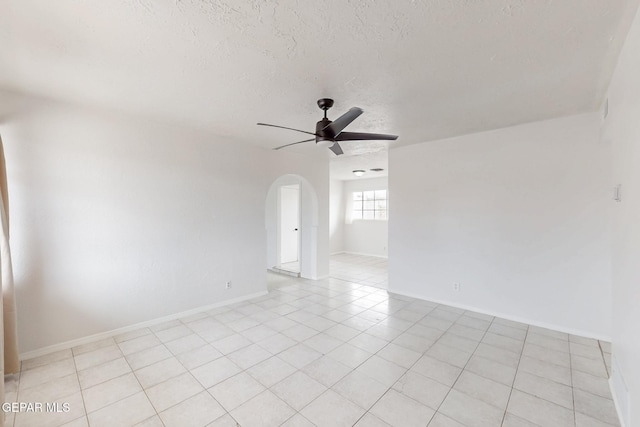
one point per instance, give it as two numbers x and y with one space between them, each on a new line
84 405
143 388
524 342
364 361
549 379
573 394
297 370
571 372
461 369
467 363
191 374
137 380
13 423
407 370
323 355
351 371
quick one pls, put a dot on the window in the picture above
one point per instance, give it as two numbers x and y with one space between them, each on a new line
370 204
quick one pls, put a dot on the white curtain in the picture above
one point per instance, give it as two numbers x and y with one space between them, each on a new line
9 362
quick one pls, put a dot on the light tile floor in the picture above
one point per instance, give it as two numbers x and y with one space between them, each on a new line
324 353
365 270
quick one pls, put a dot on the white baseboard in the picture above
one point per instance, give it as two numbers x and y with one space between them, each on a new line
533 322
284 272
108 334
365 254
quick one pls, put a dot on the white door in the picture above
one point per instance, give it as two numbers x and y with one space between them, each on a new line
289 223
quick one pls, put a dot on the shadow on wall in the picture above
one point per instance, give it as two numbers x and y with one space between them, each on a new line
30 269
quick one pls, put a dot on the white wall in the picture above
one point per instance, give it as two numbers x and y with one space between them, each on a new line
336 215
116 220
368 237
622 129
517 216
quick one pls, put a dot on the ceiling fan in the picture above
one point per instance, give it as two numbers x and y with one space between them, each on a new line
328 133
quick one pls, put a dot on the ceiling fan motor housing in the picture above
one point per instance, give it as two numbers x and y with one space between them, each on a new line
324 136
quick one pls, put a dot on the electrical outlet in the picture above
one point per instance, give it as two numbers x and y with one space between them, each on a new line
456 286
617 196
228 285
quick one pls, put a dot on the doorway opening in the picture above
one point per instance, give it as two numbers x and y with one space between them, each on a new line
289 228
358 219
292 203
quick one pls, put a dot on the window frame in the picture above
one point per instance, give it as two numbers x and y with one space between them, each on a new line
373 197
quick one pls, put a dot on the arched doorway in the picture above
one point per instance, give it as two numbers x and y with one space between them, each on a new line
279 240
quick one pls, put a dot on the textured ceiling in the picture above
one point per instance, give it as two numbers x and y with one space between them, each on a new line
422 69
342 167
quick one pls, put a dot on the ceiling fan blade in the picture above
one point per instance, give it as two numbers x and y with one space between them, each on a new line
283 127
294 143
337 150
362 136
335 127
